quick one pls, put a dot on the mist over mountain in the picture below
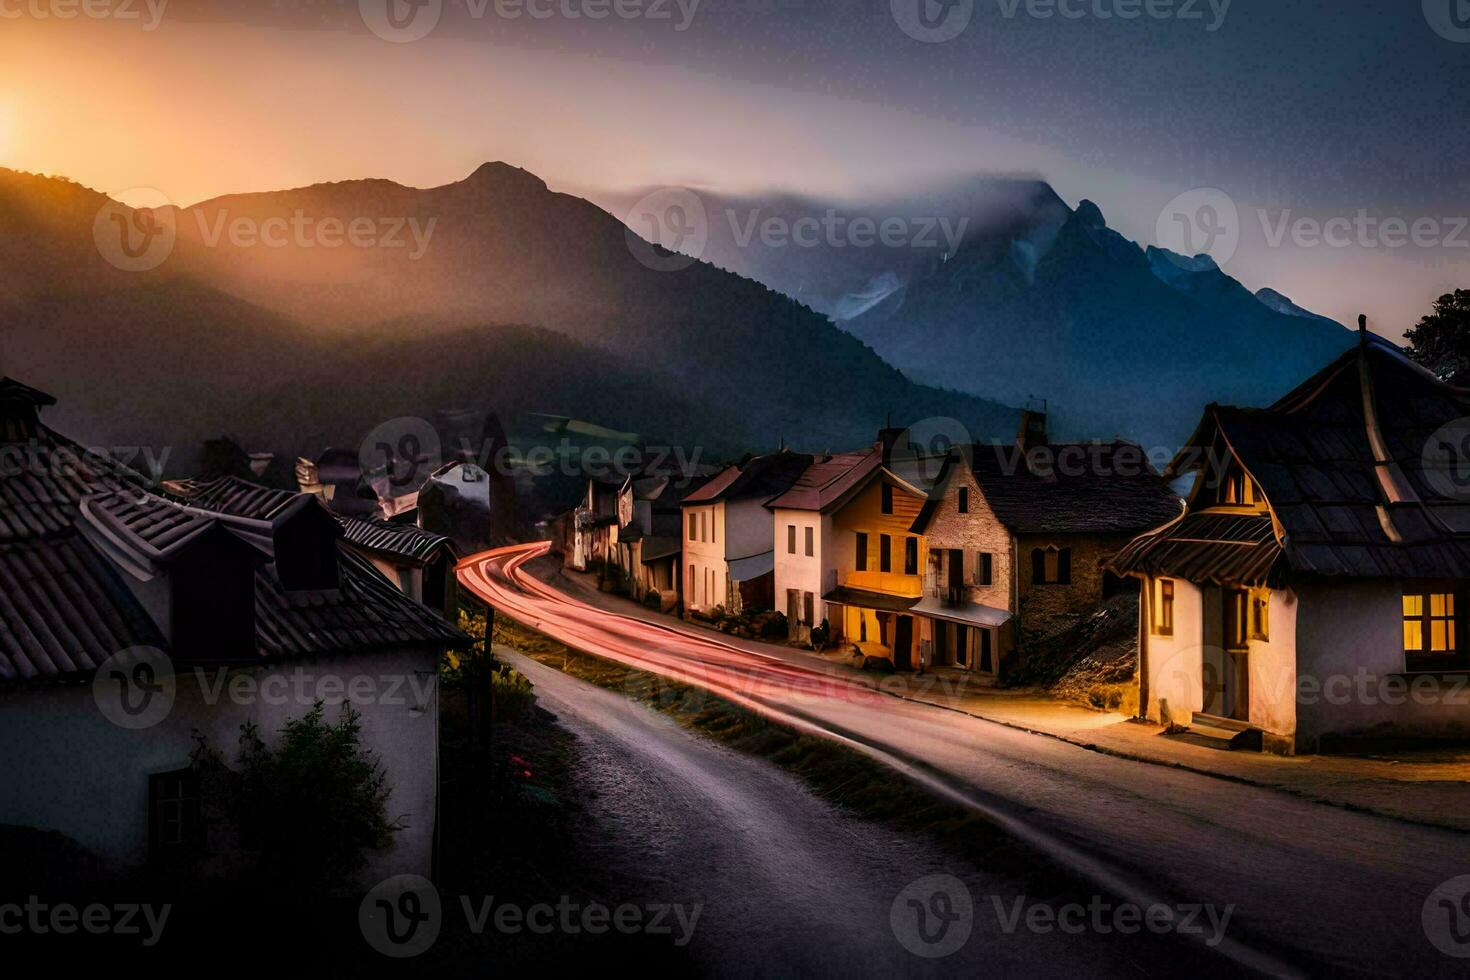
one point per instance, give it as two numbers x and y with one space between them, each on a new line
993 285
311 315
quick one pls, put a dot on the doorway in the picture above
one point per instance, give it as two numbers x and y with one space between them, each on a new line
903 643
1224 670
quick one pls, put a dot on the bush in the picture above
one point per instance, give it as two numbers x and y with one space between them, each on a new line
653 600
821 636
511 694
306 811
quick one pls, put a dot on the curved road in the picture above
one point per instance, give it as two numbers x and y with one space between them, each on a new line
1311 888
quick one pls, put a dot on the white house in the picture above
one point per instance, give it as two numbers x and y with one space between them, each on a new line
128 622
1315 588
729 560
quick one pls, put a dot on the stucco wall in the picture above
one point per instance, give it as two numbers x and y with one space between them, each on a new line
68 768
705 553
799 571
1350 650
1175 663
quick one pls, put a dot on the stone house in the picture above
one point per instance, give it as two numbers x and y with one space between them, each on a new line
1018 537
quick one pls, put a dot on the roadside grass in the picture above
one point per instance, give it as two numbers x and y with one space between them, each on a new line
840 775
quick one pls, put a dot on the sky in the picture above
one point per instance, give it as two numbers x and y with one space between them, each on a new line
1318 147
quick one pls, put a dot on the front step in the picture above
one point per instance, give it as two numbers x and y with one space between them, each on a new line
1223 733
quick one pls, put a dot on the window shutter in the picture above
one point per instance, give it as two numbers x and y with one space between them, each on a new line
1038 567
1064 566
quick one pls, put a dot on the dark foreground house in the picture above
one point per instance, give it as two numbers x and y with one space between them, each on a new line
1017 537
129 623
1316 587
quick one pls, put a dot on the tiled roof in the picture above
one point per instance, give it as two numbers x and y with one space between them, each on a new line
1218 547
759 478
404 541
65 607
234 496
1074 488
827 480
63 611
241 498
1346 508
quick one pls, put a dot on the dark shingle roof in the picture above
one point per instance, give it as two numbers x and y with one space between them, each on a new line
1223 548
1074 488
404 541
65 608
759 478
1343 510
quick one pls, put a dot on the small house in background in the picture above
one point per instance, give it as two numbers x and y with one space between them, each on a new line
649 545
590 531
728 534
1316 586
1018 536
846 555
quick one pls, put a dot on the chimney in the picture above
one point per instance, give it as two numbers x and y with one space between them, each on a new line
888 439
1033 427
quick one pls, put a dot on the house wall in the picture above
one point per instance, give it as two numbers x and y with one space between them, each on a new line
704 552
865 513
1042 608
974 532
69 769
799 571
1176 664
1351 661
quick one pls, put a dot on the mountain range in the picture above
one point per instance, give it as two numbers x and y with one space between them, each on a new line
1016 296
497 293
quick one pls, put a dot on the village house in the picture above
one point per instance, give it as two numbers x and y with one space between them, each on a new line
729 559
1017 536
117 605
589 532
1316 586
650 546
845 555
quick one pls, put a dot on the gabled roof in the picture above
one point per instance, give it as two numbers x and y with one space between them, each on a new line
240 498
1221 548
760 478
825 483
65 607
407 542
1064 488
232 495
1352 469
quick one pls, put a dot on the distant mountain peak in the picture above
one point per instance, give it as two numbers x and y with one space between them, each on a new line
1090 216
498 174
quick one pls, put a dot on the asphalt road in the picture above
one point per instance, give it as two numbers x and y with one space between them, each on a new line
1309 888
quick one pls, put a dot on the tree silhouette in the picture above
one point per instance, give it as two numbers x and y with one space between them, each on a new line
1441 340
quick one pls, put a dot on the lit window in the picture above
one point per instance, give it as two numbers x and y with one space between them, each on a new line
1164 609
1431 637
1260 612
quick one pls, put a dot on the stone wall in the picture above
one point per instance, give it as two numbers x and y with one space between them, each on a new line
1043 608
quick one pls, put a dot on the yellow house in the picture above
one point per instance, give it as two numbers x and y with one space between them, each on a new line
879 564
